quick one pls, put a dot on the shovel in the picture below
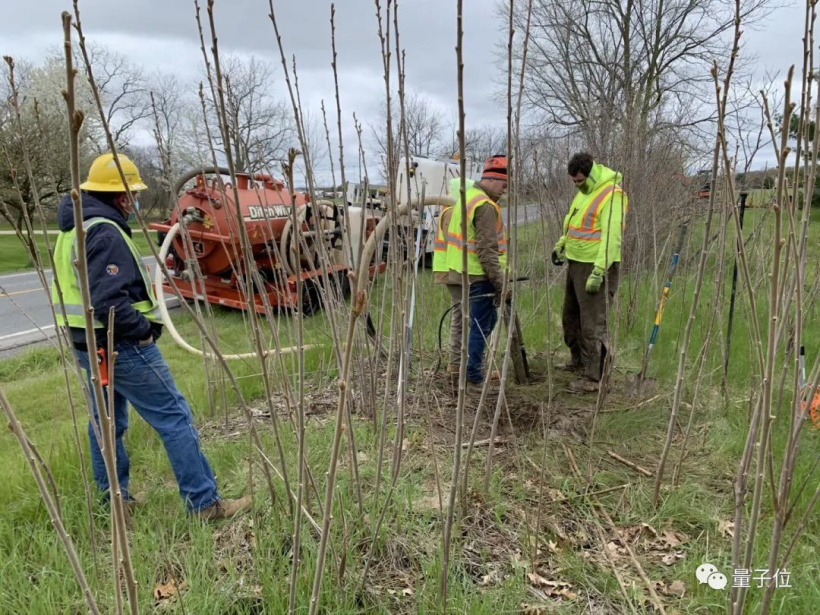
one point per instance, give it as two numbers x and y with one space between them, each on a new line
638 383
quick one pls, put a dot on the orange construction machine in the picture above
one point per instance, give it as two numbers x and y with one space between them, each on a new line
207 261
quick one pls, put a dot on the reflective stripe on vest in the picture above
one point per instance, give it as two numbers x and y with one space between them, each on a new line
66 273
456 242
440 244
590 229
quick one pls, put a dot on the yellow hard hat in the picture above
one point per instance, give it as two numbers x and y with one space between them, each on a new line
103 175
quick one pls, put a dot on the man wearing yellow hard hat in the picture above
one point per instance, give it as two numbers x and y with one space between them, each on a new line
118 280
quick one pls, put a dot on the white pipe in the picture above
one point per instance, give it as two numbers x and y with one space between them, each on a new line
363 277
361 281
169 325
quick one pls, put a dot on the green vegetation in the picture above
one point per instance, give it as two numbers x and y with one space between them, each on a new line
15 257
244 566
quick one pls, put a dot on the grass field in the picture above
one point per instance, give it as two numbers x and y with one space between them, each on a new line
15 257
533 539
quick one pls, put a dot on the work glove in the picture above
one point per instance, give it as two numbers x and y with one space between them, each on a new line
558 255
502 298
595 280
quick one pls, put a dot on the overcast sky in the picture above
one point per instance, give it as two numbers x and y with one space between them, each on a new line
161 35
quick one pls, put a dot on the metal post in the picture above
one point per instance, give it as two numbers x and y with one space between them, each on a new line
741 212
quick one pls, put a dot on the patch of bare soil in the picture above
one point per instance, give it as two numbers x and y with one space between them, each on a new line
320 401
525 408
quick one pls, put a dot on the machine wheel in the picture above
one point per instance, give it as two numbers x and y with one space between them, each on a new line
311 298
342 282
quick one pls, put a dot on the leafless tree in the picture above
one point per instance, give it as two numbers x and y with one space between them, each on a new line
43 128
318 152
424 127
609 69
746 121
480 142
259 124
124 91
630 82
170 106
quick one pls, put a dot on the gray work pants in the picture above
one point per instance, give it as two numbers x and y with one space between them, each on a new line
456 324
584 318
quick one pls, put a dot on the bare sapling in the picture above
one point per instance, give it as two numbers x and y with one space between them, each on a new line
510 273
411 263
104 414
66 357
407 319
722 96
332 299
465 310
794 295
766 406
212 339
358 306
76 567
252 278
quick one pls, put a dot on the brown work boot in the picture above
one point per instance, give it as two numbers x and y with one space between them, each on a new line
225 509
573 367
474 387
135 501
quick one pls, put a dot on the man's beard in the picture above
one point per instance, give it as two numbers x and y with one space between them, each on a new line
586 186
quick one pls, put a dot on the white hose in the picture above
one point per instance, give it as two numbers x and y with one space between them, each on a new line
363 277
166 317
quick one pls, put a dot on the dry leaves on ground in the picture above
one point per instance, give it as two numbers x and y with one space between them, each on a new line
727 529
675 588
646 540
550 589
166 593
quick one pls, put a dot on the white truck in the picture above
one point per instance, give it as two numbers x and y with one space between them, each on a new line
429 178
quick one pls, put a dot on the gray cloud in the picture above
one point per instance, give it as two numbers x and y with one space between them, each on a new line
162 35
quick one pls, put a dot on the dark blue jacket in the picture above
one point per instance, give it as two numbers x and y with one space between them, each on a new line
113 276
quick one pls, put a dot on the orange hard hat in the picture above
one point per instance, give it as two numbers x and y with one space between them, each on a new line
495 167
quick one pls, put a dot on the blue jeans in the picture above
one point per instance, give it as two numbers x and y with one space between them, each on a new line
483 316
142 377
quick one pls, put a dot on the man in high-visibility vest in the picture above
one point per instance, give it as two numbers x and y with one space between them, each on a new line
118 279
486 244
441 275
591 245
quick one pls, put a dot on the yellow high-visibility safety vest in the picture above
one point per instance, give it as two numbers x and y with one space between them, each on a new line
65 252
440 244
455 241
587 227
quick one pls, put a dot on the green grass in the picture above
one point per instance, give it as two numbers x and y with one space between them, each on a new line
244 566
15 257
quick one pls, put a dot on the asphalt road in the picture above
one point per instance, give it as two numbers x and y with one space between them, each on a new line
25 315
